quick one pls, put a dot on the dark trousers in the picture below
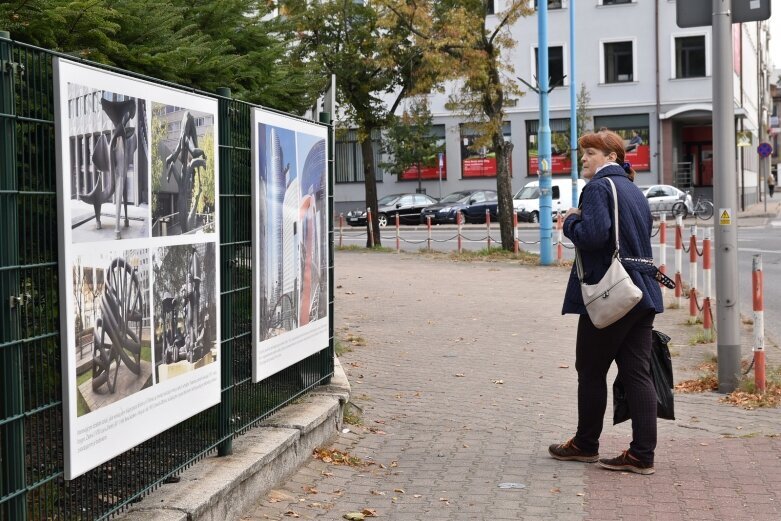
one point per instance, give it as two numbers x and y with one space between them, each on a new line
628 342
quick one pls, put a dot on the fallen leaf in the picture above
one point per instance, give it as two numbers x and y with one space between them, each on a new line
555 490
290 513
580 494
499 382
460 375
399 490
311 490
377 492
354 516
417 496
563 366
369 512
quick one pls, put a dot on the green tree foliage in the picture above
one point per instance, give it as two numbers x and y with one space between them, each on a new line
460 40
410 140
197 43
371 55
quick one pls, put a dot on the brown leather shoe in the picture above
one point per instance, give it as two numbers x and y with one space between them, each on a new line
568 451
627 462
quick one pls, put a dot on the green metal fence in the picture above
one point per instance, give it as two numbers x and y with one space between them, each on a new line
31 449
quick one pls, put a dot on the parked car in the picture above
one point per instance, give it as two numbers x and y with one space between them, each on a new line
661 198
471 204
526 201
408 206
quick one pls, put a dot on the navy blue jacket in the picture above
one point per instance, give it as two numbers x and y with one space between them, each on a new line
592 233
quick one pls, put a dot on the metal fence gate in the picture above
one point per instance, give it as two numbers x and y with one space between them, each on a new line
31 423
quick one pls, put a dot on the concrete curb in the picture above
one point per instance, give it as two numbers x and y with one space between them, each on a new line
223 488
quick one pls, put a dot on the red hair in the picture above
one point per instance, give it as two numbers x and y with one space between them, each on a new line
607 142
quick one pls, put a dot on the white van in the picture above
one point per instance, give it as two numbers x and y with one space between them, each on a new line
526 201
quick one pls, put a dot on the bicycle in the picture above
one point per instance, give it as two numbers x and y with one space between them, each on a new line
703 209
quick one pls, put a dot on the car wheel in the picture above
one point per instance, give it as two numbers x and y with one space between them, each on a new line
382 219
535 218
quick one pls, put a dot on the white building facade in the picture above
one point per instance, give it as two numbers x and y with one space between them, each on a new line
647 79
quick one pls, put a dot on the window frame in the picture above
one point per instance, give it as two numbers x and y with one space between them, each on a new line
564 61
602 65
629 2
674 57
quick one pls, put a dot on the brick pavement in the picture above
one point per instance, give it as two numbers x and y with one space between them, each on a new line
468 374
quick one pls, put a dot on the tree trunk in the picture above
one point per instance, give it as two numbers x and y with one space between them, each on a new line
370 184
504 191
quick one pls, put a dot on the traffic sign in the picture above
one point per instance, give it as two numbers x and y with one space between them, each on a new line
764 149
698 13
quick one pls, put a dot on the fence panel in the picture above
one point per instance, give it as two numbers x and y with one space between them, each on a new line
31 423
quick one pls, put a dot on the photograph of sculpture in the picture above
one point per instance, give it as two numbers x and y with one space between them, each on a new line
109 162
183 187
112 323
290 190
185 314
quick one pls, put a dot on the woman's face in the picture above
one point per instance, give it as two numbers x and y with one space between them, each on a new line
594 158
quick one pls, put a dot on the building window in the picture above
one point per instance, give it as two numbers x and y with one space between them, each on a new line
429 169
618 62
348 157
634 130
552 4
477 160
616 2
561 160
555 65
690 57
489 7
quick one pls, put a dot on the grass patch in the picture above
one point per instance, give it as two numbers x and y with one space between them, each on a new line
494 255
355 340
672 305
352 414
81 405
356 247
701 337
748 397
340 348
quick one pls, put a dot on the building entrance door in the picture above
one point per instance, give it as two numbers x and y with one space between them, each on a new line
701 157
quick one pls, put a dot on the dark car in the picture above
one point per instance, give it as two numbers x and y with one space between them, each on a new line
471 204
408 206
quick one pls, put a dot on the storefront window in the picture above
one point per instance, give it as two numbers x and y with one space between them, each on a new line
634 130
477 161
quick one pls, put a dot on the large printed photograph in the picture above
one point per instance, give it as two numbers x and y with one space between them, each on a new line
109 150
291 230
137 207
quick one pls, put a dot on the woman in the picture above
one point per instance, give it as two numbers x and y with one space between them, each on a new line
771 184
627 341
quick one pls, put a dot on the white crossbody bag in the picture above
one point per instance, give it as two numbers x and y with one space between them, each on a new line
615 294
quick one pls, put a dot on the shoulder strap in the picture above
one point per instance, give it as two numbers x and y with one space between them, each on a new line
578 261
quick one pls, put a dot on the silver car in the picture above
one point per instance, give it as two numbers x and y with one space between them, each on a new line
661 198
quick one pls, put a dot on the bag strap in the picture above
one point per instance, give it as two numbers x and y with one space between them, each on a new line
578 261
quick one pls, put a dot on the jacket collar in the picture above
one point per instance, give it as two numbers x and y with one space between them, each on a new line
611 169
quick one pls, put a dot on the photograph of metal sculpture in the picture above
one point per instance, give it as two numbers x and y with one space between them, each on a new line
293 228
183 191
112 323
185 300
109 151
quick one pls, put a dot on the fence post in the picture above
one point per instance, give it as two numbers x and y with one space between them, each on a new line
515 232
707 318
12 444
341 228
663 248
398 241
559 238
693 275
759 323
428 225
459 219
370 228
678 260
488 226
227 220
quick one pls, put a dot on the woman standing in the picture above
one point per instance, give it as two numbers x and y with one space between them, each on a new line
627 341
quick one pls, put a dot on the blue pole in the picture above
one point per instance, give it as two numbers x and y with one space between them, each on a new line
573 104
544 148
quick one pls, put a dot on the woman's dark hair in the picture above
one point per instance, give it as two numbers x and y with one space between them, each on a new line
608 142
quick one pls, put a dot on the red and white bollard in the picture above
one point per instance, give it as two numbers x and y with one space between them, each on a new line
370 227
488 226
398 239
516 246
759 324
707 318
428 225
663 248
559 238
693 275
341 228
459 222
678 260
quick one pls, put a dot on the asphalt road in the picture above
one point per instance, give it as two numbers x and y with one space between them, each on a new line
764 240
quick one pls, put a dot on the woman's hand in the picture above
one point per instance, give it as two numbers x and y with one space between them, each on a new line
572 211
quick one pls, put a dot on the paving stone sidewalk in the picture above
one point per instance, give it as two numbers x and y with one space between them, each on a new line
467 374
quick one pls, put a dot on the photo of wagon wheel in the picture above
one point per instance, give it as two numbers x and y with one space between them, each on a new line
121 308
